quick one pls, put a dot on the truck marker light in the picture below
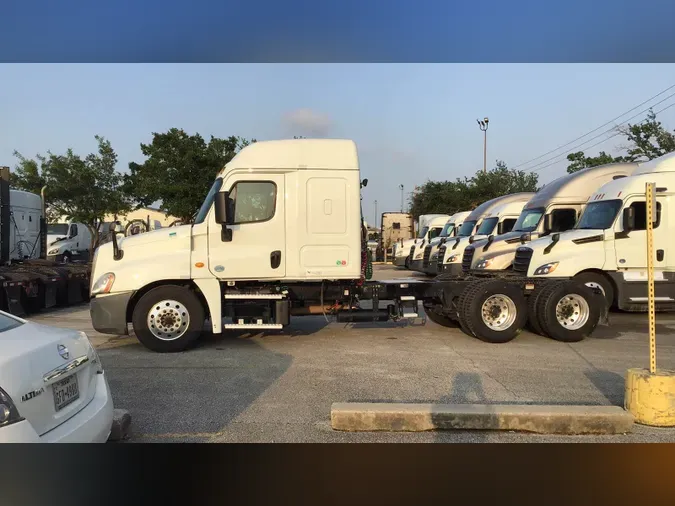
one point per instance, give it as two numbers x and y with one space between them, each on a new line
199 265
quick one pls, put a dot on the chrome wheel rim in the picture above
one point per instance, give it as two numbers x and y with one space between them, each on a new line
168 320
572 311
499 312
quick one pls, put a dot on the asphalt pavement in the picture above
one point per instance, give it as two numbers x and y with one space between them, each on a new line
278 386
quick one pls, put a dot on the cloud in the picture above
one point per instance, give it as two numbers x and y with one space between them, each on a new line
307 122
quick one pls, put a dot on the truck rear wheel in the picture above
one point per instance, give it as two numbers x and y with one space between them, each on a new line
168 318
440 319
494 311
569 311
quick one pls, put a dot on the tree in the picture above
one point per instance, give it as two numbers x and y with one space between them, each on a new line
81 190
581 161
178 170
648 139
448 197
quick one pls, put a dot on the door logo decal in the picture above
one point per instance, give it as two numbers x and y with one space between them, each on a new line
219 268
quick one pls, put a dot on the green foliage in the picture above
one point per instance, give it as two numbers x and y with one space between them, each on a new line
449 197
82 190
581 161
178 170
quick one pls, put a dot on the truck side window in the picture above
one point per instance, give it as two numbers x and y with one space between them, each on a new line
434 232
254 201
396 225
506 225
563 219
640 209
73 230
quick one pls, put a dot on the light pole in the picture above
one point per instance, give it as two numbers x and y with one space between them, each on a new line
401 187
376 213
483 125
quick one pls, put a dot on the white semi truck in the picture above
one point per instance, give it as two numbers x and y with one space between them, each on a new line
434 230
608 246
280 234
487 219
450 230
68 240
555 208
428 227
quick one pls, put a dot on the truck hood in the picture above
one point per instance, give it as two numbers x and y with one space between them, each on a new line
575 250
501 252
52 238
161 234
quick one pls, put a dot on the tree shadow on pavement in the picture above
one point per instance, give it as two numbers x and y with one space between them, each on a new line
467 388
191 395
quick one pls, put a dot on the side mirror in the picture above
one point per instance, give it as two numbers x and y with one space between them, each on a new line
548 223
220 204
628 219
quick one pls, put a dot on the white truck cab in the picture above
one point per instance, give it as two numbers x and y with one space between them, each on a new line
608 247
67 240
555 208
450 230
425 232
491 217
434 231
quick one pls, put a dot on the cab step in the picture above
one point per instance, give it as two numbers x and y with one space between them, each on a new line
261 326
256 296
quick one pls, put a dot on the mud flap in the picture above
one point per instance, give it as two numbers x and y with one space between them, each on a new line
13 294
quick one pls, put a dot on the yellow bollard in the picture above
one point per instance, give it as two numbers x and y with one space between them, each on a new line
650 394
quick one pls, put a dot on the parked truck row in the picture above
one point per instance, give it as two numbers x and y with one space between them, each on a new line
280 234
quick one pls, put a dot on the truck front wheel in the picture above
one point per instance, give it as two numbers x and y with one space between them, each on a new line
168 318
569 311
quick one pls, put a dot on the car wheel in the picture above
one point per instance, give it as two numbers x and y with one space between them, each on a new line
569 311
168 318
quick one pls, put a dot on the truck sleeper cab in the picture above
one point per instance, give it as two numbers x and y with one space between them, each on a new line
607 247
450 230
487 223
554 208
280 234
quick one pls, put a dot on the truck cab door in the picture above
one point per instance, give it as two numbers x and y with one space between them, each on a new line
258 246
631 247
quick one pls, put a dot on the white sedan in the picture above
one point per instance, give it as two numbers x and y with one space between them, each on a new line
52 385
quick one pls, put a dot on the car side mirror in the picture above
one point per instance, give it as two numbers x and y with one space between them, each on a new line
628 219
548 223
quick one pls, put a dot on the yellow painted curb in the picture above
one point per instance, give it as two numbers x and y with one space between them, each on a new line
651 397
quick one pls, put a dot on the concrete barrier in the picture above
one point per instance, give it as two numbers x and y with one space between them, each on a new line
526 418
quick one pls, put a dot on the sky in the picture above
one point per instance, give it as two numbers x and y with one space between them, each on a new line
411 122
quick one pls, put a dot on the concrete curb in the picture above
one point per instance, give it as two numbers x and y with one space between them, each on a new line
514 417
120 426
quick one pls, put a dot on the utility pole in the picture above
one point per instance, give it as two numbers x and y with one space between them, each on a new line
483 125
401 187
375 222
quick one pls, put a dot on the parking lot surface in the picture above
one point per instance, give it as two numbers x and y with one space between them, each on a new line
278 386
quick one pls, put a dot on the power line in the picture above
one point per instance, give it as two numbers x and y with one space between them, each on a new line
532 169
604 140
596 129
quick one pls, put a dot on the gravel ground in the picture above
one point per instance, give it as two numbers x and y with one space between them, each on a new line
278 386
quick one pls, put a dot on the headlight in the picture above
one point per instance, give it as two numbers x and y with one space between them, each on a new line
8 412
54 251
546 269
103 284
453 258
484 264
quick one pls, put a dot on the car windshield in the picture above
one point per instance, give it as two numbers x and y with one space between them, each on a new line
57 229
447 230
599 215
203 211
8 323
528 220
488 226
466 229
422 232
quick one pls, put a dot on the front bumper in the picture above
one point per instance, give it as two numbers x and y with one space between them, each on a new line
400 261
417 265
455 269
109 313
91 424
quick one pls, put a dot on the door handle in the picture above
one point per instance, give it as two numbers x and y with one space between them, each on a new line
659 255
275 259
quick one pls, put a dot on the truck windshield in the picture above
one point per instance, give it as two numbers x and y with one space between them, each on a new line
447 230
422 232
487 226
203 211
599 215
528 220
57 229
466 229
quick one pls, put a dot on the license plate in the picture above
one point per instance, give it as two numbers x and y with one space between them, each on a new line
65 391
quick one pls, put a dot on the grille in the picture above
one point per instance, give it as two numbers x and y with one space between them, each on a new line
441 258
412 254
427 255
467 258
521 264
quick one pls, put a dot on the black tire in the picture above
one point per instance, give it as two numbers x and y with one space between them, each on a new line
407 262
477 294
595 279
439 319
532 315
180 294
546 310
461 312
